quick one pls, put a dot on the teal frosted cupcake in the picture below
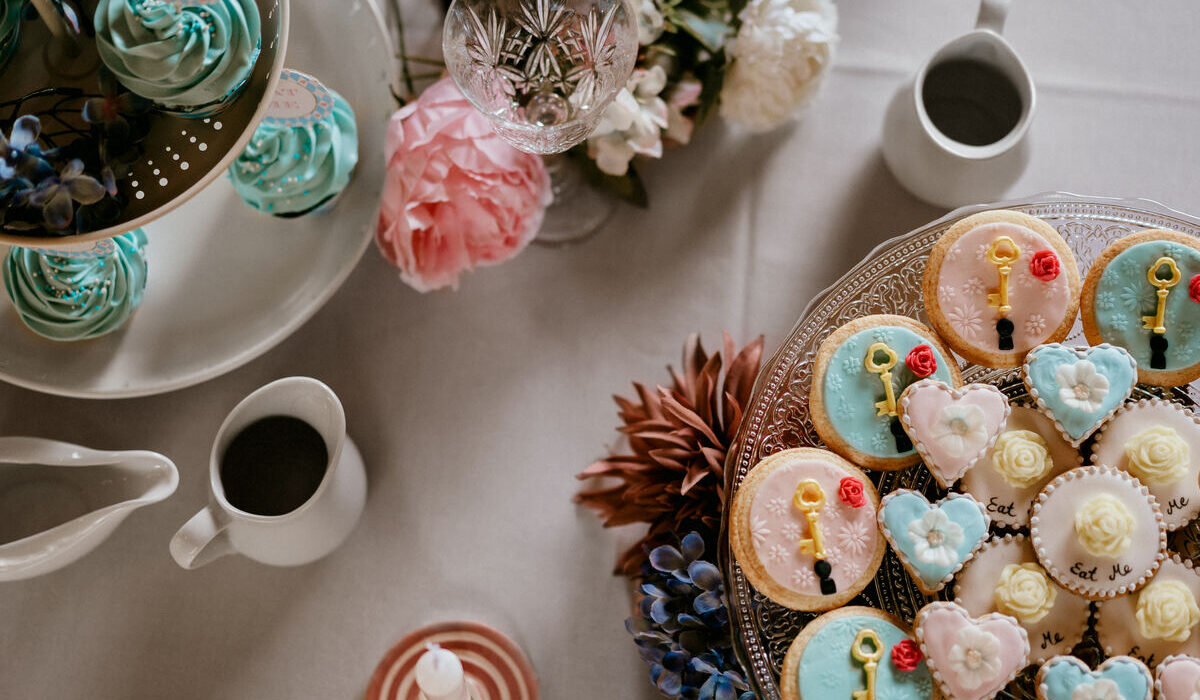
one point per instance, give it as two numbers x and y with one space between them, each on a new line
291 169
191 58
76 298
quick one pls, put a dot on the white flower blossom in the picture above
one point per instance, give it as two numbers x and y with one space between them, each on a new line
649 21
959 430
779 57
759 531
1102 689
632 123
1080 386
975 658
935 538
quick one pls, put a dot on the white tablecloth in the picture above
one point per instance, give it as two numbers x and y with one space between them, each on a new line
475 409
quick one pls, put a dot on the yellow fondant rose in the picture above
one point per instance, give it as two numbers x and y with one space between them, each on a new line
1104 526
1025 592
1157 455
1021 457
1167 610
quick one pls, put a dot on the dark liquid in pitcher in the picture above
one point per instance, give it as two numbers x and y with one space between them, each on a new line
273 465
971 102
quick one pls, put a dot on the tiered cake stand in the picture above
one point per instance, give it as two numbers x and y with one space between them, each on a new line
888 281
181 155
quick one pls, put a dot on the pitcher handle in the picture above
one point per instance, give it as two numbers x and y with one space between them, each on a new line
992 14
201 540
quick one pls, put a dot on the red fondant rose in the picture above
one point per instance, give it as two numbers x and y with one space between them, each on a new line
906 655
1044 265
921 361
850 490
1194 289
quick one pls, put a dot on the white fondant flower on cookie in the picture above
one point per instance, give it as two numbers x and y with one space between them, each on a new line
1158 455
966 320
935 538
1102 689
777 553
946 293
777 507
1080 386
803 578
973 287
1167 610
1035 325
853 537
759 531
974 658
959 429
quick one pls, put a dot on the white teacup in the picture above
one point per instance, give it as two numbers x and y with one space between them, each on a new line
938 168
309 531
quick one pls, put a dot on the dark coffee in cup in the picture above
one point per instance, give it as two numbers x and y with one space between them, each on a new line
273 466
971 102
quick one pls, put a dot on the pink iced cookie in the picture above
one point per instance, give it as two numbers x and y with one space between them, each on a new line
1158 442
1177 678
952 428
982 587
1003 480
971 658
965 289
1098 532
1158 621
773 540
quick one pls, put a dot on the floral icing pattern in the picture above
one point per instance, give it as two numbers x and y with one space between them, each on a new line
1158 455
1104 526
974 658
1167 610
960 429
935 538
1025 592
1021 458
1081 387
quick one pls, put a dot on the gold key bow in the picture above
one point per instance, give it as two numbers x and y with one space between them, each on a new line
1003 252
887 407
869 658
809 499
1157 322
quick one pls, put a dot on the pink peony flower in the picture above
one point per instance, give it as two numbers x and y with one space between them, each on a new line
456 195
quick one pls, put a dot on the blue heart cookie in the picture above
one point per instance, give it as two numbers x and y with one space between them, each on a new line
1068 678
933 541
1079 388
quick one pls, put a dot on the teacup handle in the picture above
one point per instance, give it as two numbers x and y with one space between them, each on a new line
992 14
201 540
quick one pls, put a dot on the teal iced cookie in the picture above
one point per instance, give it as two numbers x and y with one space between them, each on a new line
1079 388
296 169
934 540
1118 678
861 370
64 297
1143 294
192 57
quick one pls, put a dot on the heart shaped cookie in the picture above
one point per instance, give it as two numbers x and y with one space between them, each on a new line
1177 678
952 428
1118 678
1079 388
933 541
971 658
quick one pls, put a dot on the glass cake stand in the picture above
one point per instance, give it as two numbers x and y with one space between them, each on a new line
888 281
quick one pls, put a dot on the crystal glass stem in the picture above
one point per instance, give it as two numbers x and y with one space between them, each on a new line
578 209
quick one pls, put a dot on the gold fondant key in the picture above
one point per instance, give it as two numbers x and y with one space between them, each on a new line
887 407
1002 253
867 650
1157 322
809 499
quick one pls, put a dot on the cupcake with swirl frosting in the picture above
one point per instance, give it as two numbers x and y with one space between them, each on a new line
191 58
79 297
293 170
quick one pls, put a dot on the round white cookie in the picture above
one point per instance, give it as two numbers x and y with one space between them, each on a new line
980 589
1008 502
1157 441
1135 624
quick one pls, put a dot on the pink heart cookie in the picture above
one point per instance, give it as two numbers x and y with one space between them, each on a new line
971 659
1177 678
952 428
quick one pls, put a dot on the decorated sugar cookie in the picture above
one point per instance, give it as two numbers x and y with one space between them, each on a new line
932 541
1160 620
1177 678
1118 678
803 529
1079 388
1143 294
998 284
1004 577
1157 441
1098 532
860 372
1026 456
855 652
952 428
970 658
